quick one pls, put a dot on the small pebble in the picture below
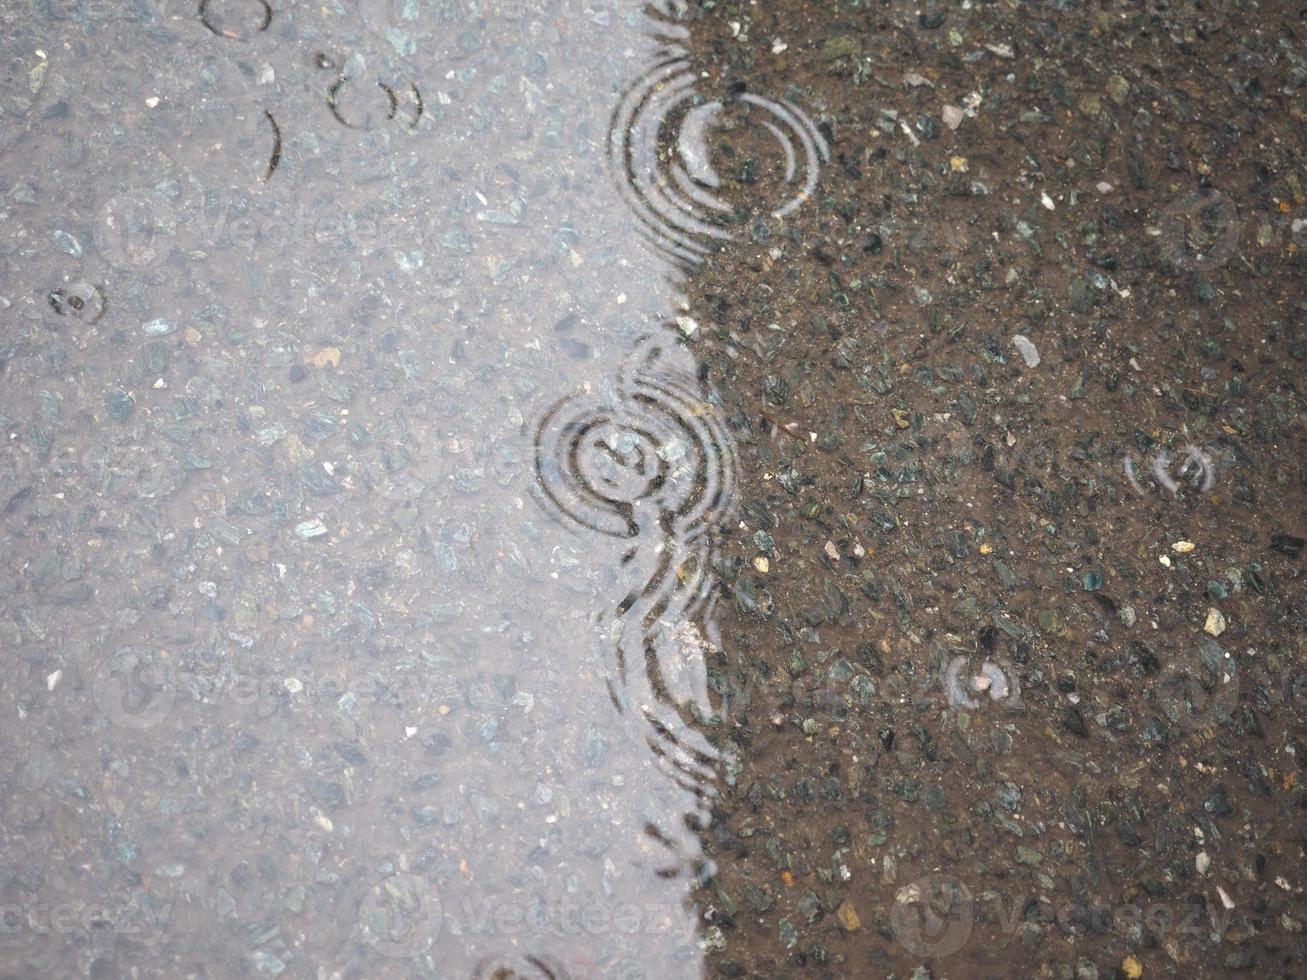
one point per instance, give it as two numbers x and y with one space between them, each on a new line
1288 544
1027 350
308 530
67 244
159 328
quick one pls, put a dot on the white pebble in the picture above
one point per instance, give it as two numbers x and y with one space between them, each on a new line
1027 349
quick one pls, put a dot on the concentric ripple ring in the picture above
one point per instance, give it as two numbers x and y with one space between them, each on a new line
653 455
659 150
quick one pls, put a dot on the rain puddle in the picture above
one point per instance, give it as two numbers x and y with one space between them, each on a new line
364 486
595 490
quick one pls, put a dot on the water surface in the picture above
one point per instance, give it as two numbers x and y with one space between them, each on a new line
364 486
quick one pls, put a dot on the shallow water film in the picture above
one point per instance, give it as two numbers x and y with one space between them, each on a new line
586 489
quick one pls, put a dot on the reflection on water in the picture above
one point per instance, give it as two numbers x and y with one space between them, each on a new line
649 461
363 488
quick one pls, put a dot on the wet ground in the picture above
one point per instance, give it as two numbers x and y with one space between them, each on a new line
582 490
